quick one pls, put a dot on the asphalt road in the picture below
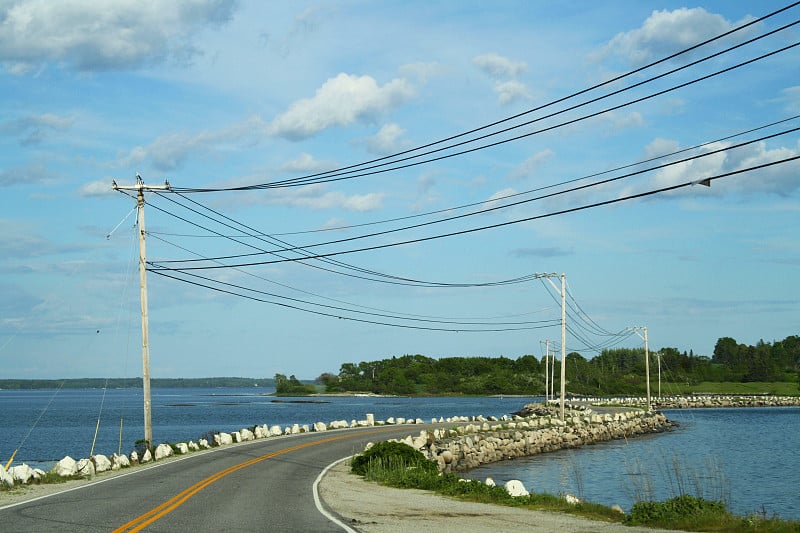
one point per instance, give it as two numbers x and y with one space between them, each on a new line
263 485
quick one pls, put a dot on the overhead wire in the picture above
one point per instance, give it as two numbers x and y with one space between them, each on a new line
306 179
592 205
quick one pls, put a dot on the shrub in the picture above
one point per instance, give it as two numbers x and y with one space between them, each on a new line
684 509
392 455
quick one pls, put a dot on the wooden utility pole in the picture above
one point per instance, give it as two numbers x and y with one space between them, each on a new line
563 292
140 188
636 330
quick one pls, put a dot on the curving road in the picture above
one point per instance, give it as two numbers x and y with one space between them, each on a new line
264 485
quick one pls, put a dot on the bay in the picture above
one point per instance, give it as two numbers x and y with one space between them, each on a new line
748 458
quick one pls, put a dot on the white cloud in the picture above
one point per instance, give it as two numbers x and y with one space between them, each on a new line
779 179
660 146
616 121
498 66
89 35
421 72
388 140
318 197
791 96
527 168
306 163
666 32
340 101
511 91
97 188
33 129
169 151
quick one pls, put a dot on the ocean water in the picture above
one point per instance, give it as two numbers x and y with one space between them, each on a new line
746 457
749 458
46 425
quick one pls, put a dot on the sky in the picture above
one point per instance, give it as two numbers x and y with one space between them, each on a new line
222 94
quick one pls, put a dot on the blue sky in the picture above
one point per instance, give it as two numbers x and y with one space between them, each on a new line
219 94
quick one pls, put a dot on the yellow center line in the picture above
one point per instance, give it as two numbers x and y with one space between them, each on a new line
139 523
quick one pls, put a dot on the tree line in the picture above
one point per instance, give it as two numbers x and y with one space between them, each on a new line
613 371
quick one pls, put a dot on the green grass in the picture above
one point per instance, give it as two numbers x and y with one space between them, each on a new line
398 465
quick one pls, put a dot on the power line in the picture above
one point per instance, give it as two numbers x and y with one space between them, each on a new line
328 175
461 232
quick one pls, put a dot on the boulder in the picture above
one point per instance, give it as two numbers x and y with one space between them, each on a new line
6 480
572 500
490 482
182 448
119 461
320 426
247 435
66 467
134 458
515 488
146 457
38 474
275 431
222 439
163 451
85 467
21 473
101 463
192 445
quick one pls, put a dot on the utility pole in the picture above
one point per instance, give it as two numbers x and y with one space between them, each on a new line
546 371
563 291
140 187
659 374
636 330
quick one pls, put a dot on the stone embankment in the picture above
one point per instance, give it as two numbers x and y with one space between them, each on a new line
701 401
96 464
487 440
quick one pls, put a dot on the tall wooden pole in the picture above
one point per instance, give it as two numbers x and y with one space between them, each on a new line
563 341
140 188
148 419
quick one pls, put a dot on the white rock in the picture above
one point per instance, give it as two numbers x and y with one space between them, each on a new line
192 445
22 473
320 426
5 478
490 482
66 467
260 433
38 474
203 443
101 463
134 457
572 500
370 419
86 467
390 420
119 461
295 429
515 488
275 431
247 435
182 448
146 456
223 439
163 451
236 436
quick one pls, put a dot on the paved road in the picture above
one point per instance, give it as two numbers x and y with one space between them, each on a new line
264 485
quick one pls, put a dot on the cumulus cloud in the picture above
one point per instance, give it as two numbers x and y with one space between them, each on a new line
170 151
504 71
498 66
318 197
340 101
388 140
306 163
780 179
33 129
666 32
97 36
96 188
527 168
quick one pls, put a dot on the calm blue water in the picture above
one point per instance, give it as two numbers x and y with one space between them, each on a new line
746 457
749 458
69 417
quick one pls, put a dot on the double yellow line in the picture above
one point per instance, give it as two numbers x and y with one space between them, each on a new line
141 522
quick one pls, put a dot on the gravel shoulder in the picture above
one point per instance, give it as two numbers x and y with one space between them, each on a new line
372 508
